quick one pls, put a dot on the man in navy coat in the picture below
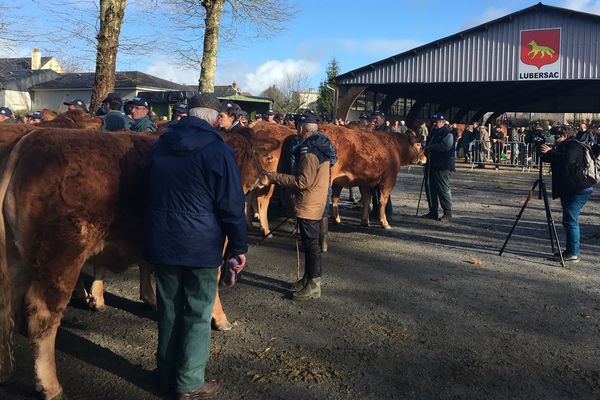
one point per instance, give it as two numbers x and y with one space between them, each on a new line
196 201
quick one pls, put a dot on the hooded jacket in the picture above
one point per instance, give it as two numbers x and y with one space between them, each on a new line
567 168
195 198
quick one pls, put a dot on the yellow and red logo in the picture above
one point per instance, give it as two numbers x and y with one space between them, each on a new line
540 47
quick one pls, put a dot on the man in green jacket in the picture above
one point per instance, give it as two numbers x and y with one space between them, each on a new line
141 122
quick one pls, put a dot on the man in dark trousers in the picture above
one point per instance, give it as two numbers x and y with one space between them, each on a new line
195 201
440 152
378 118
569 184
312 158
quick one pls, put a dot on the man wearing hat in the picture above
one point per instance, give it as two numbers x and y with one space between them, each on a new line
34 118
5 115
114 119
378 119
205 106
141 122
76 104
311 162
440 152
258 118
270 116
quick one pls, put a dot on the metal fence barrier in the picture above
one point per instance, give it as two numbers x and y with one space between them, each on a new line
509 154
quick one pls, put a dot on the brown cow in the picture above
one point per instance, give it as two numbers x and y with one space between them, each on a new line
67 196
369 159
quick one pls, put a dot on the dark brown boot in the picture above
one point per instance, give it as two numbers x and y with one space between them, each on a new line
324 234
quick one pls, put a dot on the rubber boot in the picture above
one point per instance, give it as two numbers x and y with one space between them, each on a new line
324 234
312 290
299 285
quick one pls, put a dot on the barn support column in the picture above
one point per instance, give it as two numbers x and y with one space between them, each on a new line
346 95
414 112
387 102
492 118
461 114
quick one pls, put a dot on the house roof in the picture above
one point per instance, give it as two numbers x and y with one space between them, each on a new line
18 64
123 79
22 80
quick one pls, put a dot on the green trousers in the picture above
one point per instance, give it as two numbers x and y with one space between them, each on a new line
185 298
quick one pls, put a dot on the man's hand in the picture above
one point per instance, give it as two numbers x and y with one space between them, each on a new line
242 262
544 148
266 178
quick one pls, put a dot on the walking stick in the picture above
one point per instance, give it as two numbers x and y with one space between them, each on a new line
420 194
271 232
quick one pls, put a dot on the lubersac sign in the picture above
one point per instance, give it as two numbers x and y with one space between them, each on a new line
539 56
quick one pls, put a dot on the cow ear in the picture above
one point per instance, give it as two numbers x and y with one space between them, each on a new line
264 145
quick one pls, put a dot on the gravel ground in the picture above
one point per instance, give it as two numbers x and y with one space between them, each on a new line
423 311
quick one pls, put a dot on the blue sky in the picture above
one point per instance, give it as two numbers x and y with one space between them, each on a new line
356 33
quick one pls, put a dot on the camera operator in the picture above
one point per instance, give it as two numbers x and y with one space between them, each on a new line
569 184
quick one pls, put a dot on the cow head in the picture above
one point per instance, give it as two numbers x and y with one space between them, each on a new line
417 156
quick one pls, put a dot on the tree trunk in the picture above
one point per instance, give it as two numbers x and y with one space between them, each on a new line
208 67
111 18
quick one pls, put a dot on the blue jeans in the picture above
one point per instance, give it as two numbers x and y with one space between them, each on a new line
572 206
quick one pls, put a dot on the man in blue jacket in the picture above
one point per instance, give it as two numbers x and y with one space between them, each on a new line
196 201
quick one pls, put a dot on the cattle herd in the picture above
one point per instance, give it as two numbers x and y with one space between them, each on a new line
71 194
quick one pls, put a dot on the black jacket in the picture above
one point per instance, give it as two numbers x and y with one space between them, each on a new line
440 150
567 168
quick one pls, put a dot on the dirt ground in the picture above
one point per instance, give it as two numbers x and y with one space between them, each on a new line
423 311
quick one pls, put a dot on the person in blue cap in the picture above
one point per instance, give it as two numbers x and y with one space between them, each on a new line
311 163
195 200
441 156
76 104
34 118
114 119
5 115
141 122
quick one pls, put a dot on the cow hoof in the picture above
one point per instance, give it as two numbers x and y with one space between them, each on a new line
94 305
386 226
222 326
338 220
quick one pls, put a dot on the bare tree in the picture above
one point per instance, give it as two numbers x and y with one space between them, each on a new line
111 19
195 20
286 93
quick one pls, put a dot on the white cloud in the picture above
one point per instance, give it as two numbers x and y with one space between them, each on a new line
173 72
589 6
275 71
489 14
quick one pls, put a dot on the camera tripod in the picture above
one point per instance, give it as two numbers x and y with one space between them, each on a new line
551 227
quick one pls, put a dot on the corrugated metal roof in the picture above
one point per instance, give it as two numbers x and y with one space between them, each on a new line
490 52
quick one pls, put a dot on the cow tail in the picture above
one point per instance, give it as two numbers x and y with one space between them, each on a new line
6 288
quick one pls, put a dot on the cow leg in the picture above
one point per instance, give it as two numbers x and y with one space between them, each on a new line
80 293
365 194
385 197
248 209
45 302
263 210
219 319
96 296
147 293
336 190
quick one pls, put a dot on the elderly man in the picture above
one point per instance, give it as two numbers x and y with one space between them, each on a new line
141 122
378 119
195 201
5 115
76 104
312 159
441 154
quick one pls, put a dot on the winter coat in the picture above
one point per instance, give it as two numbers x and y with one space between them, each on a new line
143 124
312 159
440 149
195 197
567 168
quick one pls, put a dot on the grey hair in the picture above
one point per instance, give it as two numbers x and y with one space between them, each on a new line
207 114
310 127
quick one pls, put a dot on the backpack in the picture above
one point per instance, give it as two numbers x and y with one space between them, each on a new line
591 163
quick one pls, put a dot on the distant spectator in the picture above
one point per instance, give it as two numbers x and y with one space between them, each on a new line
270 115
378 119
34 118
141 122
395 127
229 116
497 142
423 132
258 118
114 119
364 119
5 115
586 136
403 127
76 104
468 137
513 139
